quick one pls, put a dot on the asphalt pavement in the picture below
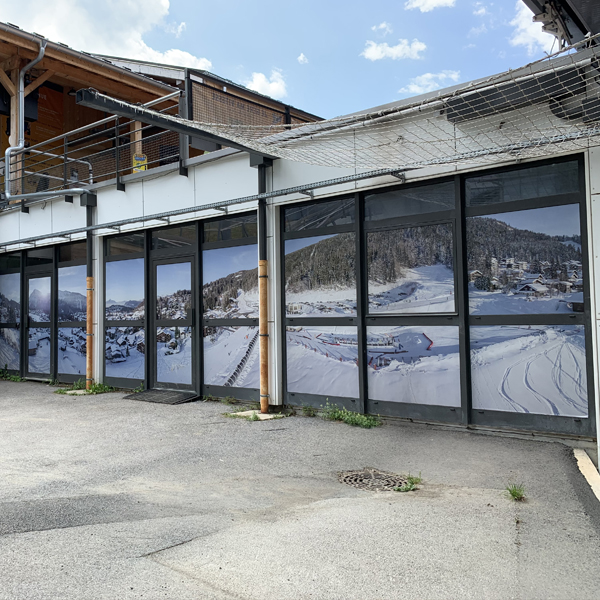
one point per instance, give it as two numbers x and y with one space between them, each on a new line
107 498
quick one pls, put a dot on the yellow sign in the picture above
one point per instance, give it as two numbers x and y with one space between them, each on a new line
140 163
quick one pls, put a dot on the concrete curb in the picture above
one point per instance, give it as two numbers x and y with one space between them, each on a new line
588 470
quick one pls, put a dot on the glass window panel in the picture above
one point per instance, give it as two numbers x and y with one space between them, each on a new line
128 243
174 355
10 261
411 270
10 298
523 184
322 214
409 201
538 369
320 276
416 364
125 352
230 282
39 299
124 292
235 228
231 356
173 291
72 293
39 350
72 350
10 345
322 361
40 256
75 251
525 262
174 237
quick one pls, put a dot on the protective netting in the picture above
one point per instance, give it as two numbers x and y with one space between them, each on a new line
551 105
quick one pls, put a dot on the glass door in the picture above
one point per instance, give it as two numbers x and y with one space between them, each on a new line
38 349
172 330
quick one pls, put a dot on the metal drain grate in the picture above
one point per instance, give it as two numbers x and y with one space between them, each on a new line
372 479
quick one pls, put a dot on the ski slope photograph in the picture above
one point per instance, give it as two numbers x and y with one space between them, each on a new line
174 355
417 365
525 262
231 356
124 291
320 276
538 369
322 360
125 352
39 350
411 270
9 348
230 288
71 350
10 298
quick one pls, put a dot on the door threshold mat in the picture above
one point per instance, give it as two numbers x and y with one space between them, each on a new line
164 396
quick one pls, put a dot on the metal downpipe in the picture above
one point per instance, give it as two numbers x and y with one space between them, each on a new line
263 291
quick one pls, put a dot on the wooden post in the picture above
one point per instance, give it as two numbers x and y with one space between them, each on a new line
136 138
89 374
263 330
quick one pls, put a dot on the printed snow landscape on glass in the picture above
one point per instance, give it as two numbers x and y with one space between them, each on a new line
125 290
10 298
72 292
9 348
320 276
39 300
538 369
71 350
125 352
174 355
39 350
231 356
230 282
525 262
322 360
417 365
173 291
411 270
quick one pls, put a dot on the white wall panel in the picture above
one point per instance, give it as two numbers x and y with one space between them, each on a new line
594 169
171 192
10 226
225 179
67 216
290 174
114 205
38 221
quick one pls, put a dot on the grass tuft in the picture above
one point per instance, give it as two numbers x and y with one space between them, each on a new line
412 481
309 411
334 413
515 491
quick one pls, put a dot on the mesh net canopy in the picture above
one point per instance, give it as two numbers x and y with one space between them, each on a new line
551 105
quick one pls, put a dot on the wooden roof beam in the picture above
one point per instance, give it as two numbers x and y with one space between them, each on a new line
37 82
6 82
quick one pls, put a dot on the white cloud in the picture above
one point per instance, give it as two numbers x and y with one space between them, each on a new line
383 28
175 29
429 82
529 34
302 59
273 87
428 5
480 11
112 27
404 49
475 31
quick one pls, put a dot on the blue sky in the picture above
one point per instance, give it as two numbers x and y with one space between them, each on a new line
552 220
125 280
173 277
328 58
220 262
73 279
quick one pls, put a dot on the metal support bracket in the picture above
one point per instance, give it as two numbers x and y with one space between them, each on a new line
309 193
69 199
401 175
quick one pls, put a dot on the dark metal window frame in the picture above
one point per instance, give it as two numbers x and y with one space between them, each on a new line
18 325
464 415
241 393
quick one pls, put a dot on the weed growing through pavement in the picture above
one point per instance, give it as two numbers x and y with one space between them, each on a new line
334 413
412 481
309 411
515 491
100 388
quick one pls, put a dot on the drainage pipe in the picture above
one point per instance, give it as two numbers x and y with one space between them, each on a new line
89 332
263 289
21 131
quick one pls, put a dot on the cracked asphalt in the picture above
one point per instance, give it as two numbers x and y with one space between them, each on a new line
105 498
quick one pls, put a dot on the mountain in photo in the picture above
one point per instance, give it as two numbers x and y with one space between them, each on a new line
223 291
39 302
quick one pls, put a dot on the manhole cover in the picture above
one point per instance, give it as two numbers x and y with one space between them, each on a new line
372 479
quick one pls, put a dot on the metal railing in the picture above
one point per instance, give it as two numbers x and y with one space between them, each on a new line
102 151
